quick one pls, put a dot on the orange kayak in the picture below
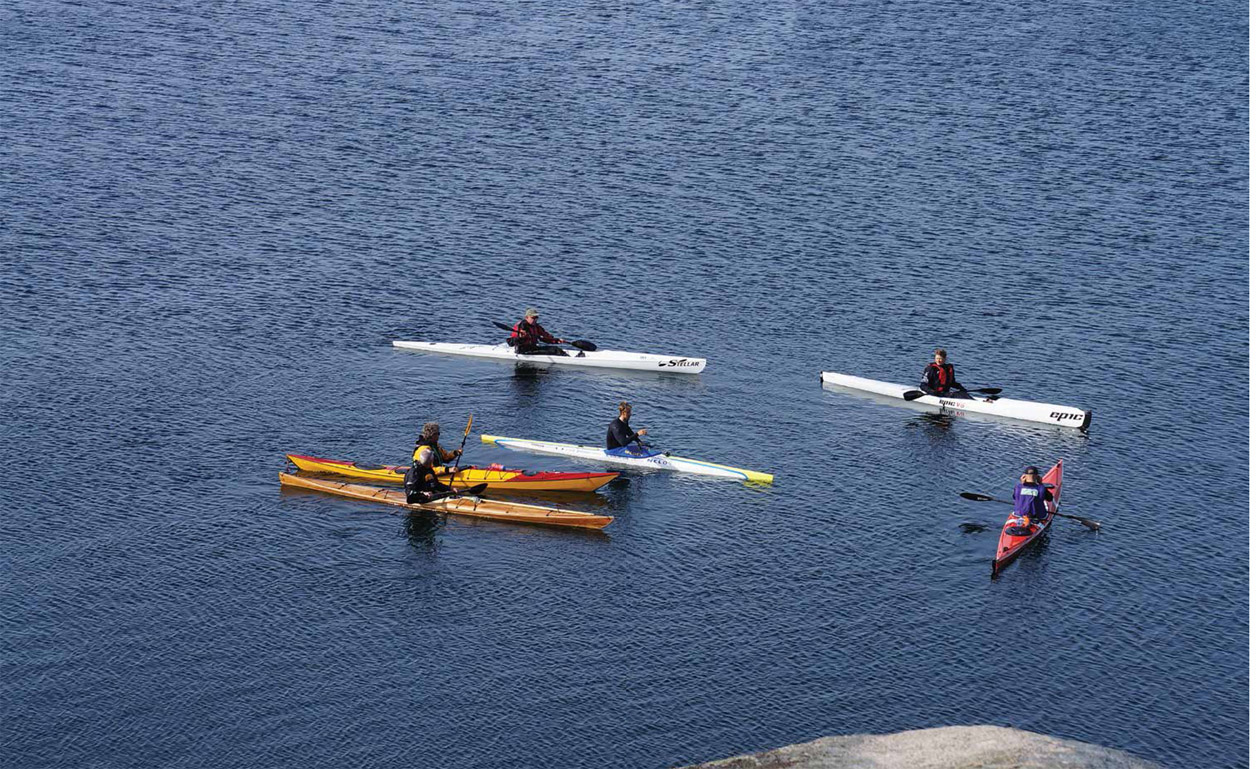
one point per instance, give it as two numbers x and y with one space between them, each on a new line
1014 539
470 506
496 477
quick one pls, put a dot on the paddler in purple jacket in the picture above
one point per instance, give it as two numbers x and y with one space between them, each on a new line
939 378
1031 496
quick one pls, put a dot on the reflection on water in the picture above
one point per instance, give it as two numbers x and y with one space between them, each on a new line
526 381
941 422
421 528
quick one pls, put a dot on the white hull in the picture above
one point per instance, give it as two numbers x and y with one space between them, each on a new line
634 361
1028 411
656 462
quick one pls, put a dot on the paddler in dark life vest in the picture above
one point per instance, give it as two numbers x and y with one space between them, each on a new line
939 378
1030 497
619 434
527 335
421 483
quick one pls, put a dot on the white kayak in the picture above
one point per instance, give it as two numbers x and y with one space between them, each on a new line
1064 416
632 456
636 361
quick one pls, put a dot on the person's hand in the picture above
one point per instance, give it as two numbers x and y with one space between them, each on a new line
457 452
643 431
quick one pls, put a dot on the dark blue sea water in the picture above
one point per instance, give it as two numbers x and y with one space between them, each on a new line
215 216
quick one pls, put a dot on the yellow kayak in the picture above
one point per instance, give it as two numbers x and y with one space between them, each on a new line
496 477
471 507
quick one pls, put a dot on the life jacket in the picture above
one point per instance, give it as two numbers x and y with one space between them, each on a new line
438 454
526 334
945 374
421 477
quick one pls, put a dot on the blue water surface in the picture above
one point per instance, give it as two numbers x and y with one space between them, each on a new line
215 216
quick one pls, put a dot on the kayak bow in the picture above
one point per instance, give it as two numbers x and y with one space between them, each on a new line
496 478
469 506
647 459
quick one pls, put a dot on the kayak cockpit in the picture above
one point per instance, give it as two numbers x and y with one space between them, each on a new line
634 452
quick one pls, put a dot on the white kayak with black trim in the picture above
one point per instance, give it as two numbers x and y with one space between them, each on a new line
635 361
1028 411
629 456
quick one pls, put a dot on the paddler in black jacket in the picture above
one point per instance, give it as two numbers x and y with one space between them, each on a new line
619 434
421 482
939 378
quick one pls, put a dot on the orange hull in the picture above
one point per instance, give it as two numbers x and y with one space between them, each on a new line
470 507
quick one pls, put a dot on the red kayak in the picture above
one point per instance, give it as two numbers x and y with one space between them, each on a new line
1015 538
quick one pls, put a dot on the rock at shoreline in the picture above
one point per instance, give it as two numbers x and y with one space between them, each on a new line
948 747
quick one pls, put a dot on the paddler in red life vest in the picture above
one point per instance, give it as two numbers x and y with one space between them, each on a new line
527 335
1030 496
939 378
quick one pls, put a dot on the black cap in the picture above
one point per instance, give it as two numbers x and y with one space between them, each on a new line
1031 470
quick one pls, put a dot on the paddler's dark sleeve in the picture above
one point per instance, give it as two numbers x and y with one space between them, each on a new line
955 382
544 335
926 381
619 435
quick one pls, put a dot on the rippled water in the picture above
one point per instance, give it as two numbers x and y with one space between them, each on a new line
215 216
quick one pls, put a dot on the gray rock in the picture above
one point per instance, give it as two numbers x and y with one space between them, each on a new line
948 747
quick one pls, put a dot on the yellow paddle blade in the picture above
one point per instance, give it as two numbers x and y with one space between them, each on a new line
467 432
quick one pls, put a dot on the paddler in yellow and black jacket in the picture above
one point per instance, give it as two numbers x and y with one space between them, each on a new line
421 481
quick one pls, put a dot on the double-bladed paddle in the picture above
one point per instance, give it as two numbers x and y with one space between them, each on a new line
1092 525
912 395
579 344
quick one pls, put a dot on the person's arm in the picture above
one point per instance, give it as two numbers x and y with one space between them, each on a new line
926 381
623 434
955 382
544 335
